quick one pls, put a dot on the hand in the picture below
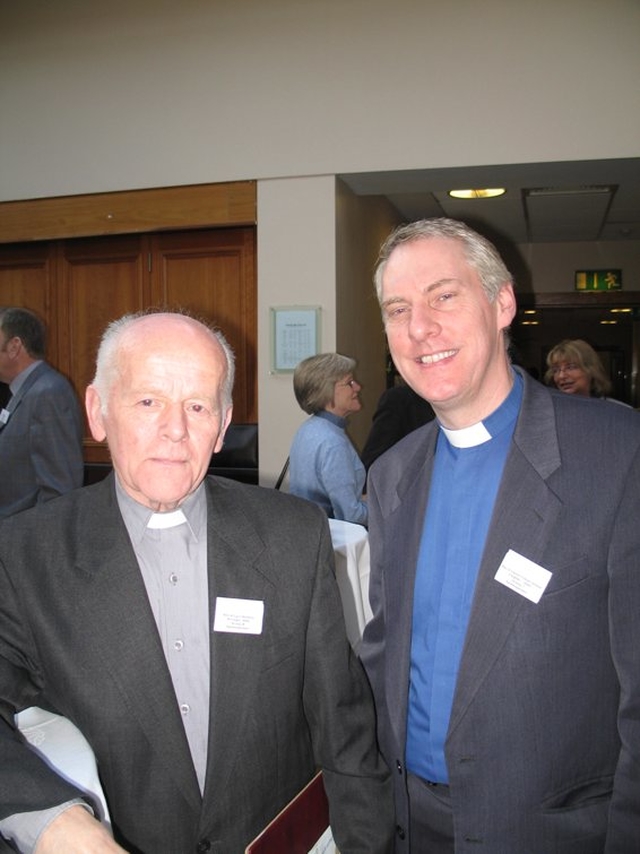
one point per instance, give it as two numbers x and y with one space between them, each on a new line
76 831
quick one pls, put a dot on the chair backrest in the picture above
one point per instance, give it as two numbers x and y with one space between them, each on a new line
282 474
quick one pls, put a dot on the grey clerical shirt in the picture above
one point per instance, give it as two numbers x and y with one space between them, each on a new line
171 549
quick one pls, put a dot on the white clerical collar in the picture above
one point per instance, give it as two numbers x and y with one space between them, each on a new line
166 520
467 437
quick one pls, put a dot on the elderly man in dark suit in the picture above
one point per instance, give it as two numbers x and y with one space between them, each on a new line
40 423
505 579
191 627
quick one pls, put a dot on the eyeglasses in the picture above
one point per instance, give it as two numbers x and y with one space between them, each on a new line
568 368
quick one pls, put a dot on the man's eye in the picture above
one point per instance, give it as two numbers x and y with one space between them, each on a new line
146 402
443 300
396 311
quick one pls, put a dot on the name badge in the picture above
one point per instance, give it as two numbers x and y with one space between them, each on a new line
240 616
523 576
4 416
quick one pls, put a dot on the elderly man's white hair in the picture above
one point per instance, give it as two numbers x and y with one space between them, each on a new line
107 358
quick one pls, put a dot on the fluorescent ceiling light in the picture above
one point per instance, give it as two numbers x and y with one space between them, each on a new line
477 194
570 191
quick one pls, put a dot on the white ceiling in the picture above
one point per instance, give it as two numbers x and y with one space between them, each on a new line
571 201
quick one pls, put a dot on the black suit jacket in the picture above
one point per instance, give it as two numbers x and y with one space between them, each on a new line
77 633
399 411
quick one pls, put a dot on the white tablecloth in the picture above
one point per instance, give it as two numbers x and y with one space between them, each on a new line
351 549
64 747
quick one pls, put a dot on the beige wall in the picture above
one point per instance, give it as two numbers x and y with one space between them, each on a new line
361 226
296 266
146 93
552 266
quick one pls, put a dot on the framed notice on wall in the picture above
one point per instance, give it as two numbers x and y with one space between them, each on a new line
295 335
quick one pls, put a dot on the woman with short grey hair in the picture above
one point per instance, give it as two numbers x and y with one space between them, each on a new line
324 465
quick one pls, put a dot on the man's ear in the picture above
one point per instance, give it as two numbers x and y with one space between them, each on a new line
506 306
93 405
223 429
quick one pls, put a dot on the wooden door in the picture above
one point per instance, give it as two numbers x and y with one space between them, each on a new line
79 285
99 280
26 279
212 274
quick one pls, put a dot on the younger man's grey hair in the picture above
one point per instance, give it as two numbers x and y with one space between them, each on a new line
481 254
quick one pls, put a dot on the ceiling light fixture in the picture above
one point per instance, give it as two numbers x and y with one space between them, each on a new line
477 194
569 191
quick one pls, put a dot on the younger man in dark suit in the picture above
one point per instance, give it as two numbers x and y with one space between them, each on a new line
191 628
505 578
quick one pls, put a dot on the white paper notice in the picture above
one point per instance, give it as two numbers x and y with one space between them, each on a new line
523 576
242 616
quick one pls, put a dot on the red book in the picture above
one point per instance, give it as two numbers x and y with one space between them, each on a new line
297 828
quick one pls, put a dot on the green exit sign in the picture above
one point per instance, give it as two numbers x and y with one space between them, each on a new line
599 280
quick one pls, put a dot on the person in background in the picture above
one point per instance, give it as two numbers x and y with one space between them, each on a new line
40 423
190 627
399 411
505 578
575 368
324 465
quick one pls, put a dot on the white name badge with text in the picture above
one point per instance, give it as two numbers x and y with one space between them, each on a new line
523 576
239 616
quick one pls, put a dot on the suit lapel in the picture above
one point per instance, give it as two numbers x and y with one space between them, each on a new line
403 532
16 399
123 633
239 567
524 511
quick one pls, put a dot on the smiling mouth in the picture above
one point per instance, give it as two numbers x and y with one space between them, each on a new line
432 358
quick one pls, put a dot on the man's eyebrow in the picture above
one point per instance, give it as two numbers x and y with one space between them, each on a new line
392 301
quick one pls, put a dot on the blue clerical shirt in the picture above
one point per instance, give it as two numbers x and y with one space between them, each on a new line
467 470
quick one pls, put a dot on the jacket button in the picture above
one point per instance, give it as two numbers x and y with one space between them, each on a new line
399 766
203 846
400 832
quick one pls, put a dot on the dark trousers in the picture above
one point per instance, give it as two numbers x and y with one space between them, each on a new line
430 817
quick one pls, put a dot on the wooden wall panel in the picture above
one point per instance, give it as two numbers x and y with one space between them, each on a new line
212 274
26 279
130 211
79 285
100 280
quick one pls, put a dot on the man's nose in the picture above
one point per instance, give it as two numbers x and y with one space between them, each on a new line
423 322
175 422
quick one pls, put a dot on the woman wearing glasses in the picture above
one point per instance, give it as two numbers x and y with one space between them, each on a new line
324 465
575 368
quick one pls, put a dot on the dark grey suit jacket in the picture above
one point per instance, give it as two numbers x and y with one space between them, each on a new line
543 747
76 632
41 443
